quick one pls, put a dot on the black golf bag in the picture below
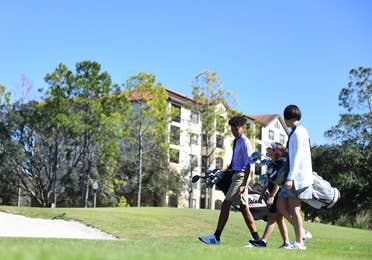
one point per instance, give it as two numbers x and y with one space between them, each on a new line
222 180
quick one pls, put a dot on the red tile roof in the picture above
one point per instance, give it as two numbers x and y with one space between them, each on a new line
265 119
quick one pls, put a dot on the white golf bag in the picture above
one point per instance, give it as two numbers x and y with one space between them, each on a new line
324 195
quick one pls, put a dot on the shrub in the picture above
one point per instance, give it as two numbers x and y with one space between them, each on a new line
363 220
344 220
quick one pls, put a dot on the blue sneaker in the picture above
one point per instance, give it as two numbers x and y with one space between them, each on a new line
210 240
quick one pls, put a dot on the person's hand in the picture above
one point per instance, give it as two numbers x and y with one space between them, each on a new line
270 201
241 189
288 184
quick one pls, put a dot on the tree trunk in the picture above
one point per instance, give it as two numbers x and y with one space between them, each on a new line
139 171
87 183
55 163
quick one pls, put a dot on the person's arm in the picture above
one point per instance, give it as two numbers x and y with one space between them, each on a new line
243 186
274 191
270 199
263 192
294 158
248 150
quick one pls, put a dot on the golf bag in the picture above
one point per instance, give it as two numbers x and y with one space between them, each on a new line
222 180
324 195
277 171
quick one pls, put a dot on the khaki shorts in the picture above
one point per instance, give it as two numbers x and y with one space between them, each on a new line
232 194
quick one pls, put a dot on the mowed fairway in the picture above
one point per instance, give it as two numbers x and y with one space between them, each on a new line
170 233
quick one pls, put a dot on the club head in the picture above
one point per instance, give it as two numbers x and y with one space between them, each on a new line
255 156
263 179
195 178
210 170
265 162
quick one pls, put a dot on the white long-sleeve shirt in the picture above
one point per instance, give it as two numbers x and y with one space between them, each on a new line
300 167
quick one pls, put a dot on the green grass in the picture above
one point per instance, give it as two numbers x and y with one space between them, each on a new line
169 233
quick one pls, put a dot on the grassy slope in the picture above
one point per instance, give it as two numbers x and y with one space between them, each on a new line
168 233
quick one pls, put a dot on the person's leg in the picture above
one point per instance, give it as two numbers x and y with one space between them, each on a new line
295 211
231 196
249 220
282 228
222 219
214 239
283 208
270 225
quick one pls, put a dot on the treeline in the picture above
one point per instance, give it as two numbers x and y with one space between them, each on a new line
85 130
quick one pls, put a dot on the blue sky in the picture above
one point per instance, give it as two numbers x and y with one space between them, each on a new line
269 53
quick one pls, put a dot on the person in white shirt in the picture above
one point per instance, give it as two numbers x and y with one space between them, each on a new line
300 177
238 189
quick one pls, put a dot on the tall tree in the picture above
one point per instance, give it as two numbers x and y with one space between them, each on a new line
355 126
149 119
209 94
83 122
7 177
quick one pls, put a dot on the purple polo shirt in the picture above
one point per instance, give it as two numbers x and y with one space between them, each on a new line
241 155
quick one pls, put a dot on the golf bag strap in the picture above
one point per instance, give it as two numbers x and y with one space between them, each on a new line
293 129
234 144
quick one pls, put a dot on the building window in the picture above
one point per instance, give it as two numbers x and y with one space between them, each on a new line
281 138
174 155
219 141
220 124
259 134
173 201
219 163
193 161
277 125
271 135
218 204
205 163
206 140
176 113
202 202
194 139
175 135
194 117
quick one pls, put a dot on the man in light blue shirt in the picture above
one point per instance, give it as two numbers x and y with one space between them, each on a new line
238 190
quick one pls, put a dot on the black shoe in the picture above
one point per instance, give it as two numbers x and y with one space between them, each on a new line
258 243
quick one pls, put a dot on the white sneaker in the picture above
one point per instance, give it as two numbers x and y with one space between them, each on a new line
298 246
306 236
210 240
286 246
